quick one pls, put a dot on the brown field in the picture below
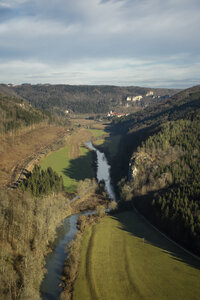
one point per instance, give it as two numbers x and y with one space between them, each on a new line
17 151
76 140
89 123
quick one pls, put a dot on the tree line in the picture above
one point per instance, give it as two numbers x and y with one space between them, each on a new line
42 182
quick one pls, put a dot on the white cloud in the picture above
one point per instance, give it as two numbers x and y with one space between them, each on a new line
35 28
12 3
99 38
116 71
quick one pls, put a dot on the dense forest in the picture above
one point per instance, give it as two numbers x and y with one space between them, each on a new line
16 113
137 127
78 98
168 163
164 168
42 182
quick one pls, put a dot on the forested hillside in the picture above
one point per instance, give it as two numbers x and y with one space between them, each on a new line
176 107
168 163
16 113
164 171
81 99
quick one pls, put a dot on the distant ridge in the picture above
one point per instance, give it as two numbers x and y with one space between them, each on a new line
81 98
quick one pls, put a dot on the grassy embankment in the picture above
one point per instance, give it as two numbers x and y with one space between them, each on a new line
74 161
122 257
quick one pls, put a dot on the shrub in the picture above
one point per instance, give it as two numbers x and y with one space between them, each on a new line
100 211
112 206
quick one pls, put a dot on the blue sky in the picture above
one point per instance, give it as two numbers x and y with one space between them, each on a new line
151 43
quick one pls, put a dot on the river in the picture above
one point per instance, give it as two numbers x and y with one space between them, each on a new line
50 289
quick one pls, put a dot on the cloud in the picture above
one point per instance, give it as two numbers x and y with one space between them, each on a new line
63 32
116 71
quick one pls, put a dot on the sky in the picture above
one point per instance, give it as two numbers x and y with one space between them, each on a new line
152 43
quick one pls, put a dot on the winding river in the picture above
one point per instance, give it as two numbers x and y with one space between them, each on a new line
50 289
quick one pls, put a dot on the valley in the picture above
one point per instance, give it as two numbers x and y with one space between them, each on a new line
154 158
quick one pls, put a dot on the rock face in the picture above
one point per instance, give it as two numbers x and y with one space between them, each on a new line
144 174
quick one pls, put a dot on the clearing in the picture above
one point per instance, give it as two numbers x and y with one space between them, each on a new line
122 257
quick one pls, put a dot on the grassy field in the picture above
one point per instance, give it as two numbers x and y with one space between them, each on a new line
74 161
97 132
59 160
122 257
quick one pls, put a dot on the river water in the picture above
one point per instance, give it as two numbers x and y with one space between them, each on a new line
50 289
103 171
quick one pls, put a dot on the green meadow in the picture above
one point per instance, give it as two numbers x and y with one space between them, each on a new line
72 170
123 257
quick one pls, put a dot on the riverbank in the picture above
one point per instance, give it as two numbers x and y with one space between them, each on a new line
72 261
28 234
51 284
89 197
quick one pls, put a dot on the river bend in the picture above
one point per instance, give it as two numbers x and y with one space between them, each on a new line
50 287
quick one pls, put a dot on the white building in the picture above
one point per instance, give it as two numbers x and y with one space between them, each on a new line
150 93
128 98
137 98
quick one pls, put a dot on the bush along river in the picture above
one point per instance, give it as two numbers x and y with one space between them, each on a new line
50 287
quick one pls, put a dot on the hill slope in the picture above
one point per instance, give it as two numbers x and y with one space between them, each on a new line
16 113
164 170
25 132
124 258
83 99
176 107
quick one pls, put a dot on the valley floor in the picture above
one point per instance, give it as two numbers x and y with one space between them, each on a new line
123 257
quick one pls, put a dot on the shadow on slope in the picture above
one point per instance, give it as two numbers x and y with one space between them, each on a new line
135 224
